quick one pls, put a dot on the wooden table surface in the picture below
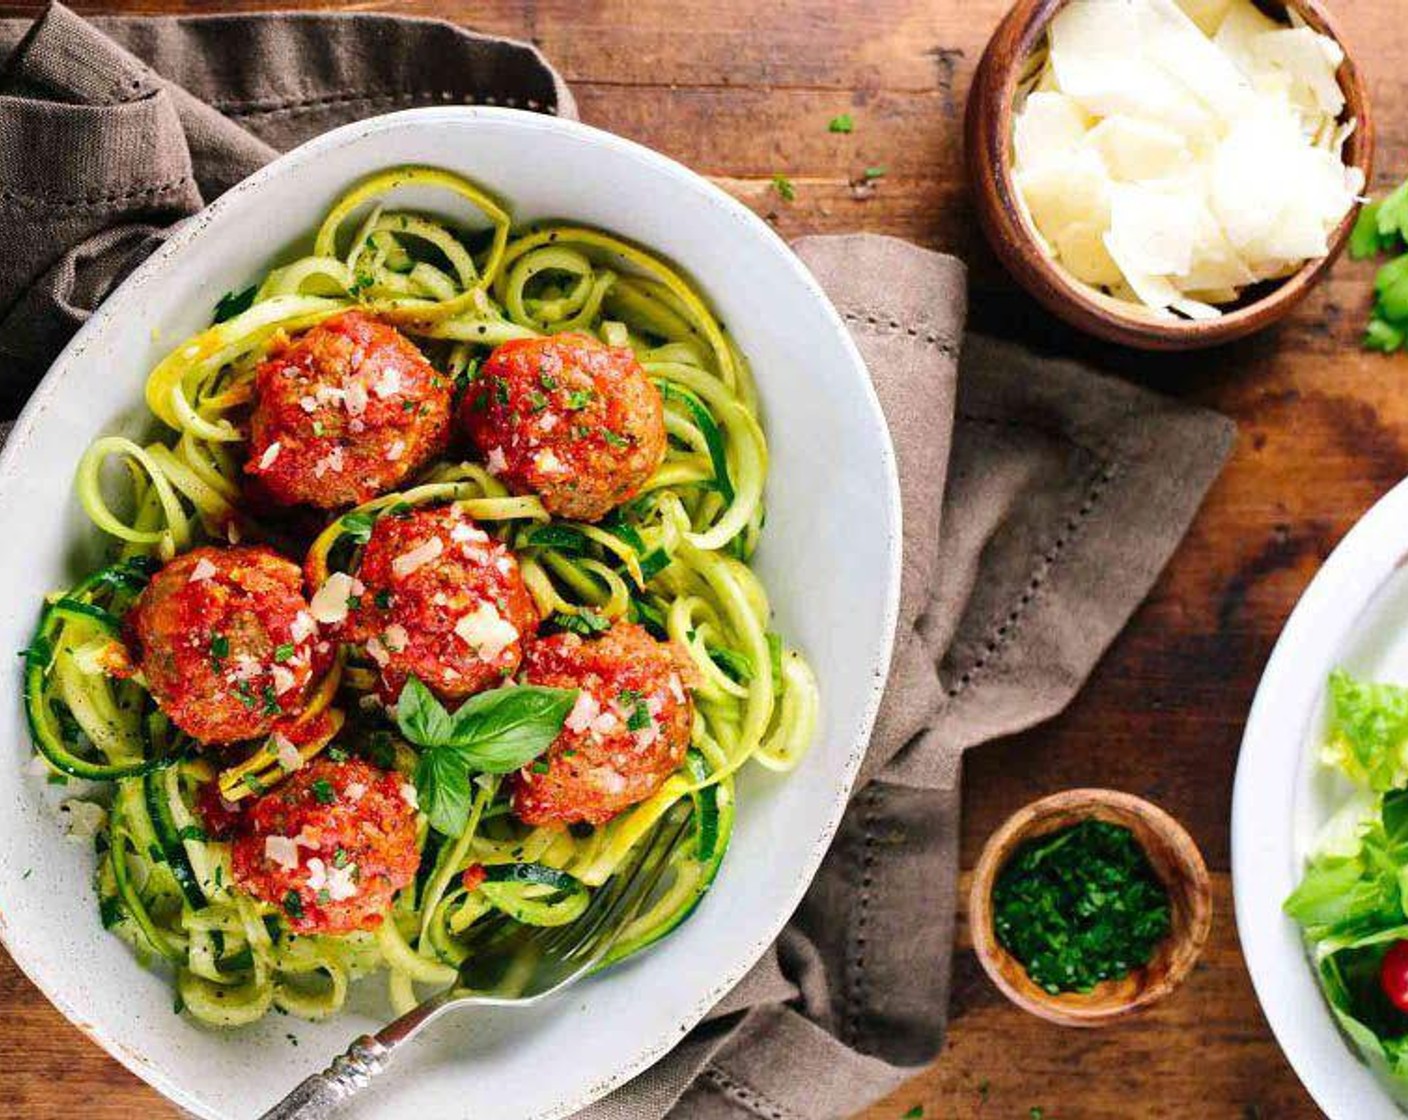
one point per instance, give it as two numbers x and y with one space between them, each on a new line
741 91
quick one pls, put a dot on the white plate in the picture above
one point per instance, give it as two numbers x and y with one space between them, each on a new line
1354 614
830 556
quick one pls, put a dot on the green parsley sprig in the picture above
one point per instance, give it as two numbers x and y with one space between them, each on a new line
494 732
1382 228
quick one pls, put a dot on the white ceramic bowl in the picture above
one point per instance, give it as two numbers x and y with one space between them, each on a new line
1354 614
830 556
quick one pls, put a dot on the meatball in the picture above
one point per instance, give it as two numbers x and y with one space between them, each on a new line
330 846
226 642
347 411
567 418
625 735
439 599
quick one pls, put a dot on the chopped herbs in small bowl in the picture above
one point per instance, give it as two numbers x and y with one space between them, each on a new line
1089 906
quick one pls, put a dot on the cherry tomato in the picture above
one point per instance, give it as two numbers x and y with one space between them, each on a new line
1393 975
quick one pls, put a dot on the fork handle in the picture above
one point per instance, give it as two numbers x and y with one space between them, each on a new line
322 1094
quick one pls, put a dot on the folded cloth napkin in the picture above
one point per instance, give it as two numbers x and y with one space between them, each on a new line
1040 499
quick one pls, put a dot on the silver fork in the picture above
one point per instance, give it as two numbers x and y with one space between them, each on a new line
560 957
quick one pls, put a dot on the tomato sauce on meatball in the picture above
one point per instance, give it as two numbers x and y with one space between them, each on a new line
439 599
348 410
568 418
330 846
226 642
626 734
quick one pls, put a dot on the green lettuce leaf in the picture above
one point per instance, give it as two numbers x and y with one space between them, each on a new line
1368 738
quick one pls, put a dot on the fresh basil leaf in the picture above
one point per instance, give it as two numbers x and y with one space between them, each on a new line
358 526
499 731
234 303
422 718
443 791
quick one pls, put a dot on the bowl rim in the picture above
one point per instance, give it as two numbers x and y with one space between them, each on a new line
1027 824
991 108
644 1054
1265 863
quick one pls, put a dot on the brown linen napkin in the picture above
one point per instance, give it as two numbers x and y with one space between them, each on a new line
1040 499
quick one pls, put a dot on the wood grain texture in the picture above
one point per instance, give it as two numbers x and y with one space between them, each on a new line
741 91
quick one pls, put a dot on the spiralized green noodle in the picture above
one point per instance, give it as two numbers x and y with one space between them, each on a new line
673 559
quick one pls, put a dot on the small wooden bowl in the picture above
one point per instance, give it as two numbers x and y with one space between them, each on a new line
1174 858
988 143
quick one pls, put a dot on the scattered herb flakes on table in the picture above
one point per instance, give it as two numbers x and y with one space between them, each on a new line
1080 906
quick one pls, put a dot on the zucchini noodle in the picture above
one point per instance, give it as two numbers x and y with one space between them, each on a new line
673 559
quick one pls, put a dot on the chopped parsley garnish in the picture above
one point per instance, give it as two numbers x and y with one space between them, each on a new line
1079 906
547 381
537 401
256 787
539 767
382 598
242 690
918 1110
325 896
284 652
323 792
317 427
337 754
501 393
842 122
613 439
870 174
219 649
293 905
639 718
271 701
339 858
783 186
628 696
578 399
234 303
193 832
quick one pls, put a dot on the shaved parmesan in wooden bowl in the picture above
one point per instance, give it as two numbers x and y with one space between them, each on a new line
1168 173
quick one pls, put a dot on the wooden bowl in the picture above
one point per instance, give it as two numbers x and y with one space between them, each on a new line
1175 860
988 143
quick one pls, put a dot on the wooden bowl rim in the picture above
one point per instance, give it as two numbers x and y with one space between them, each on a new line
1070 1009
990 129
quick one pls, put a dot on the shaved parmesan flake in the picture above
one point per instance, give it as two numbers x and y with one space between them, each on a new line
1174 152
283 679
270 454
287 754
408 795
486 632
495 461
303 626
329 602
395 637
388 384
282 850
417 557
203 570
396 450
1049 127
586 709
